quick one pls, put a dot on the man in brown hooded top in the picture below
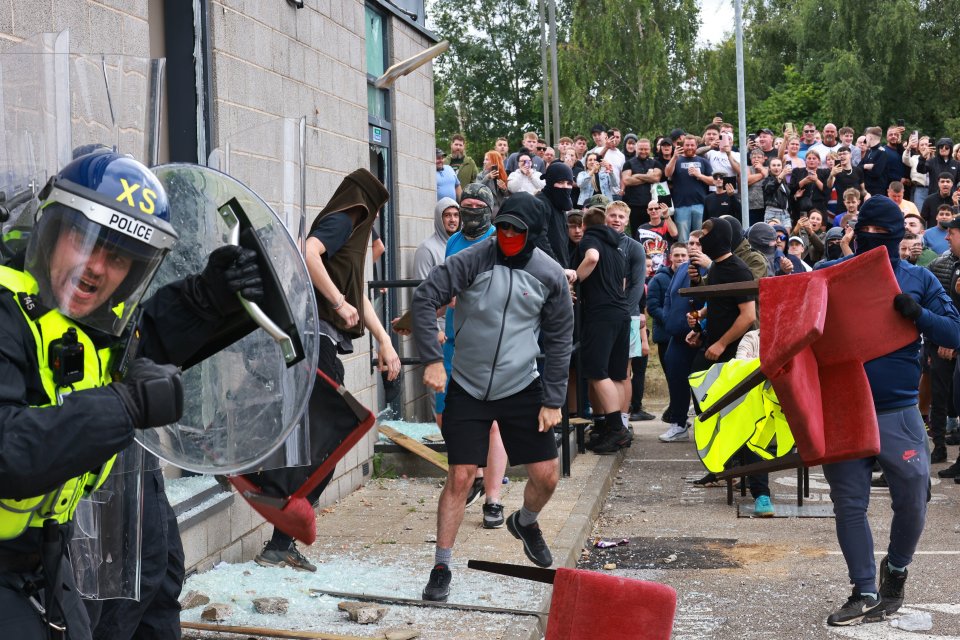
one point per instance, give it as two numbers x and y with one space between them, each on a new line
336 253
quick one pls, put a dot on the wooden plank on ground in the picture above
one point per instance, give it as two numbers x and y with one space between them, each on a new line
433 457
288 634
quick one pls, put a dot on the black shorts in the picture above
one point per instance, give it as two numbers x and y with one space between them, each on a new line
605 348
466 426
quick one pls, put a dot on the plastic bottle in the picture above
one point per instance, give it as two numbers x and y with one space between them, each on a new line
920 621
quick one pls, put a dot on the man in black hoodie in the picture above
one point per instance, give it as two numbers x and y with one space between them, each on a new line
939 160
555 200
605 332
943 195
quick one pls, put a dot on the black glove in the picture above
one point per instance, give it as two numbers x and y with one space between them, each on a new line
907 306
231 270
152 393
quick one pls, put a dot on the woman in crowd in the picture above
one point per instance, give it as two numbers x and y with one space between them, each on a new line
495 177
789 156
525 178
598 177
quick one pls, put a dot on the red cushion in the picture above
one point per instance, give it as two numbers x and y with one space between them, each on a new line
600 606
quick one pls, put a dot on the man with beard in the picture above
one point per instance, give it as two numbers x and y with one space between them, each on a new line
894 380
691 175
829 144
458 159
502 282
637 176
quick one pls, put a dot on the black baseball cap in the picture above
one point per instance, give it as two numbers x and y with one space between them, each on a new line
598 128
676 134
765 130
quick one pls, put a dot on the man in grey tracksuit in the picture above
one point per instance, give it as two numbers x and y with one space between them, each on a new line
509 294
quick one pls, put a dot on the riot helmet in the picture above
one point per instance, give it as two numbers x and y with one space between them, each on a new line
101 232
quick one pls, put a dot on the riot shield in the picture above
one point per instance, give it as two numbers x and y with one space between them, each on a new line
105 548
242 402
54 103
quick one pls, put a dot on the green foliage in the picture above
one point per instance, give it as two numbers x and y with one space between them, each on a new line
634 64
488 84
380 470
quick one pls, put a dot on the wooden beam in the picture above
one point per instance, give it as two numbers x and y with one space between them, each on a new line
288 634
433 457
721 290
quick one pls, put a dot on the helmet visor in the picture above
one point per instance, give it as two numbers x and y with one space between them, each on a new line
93 273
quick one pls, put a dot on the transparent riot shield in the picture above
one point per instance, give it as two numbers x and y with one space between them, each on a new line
105 549
242 402
55 103
270 159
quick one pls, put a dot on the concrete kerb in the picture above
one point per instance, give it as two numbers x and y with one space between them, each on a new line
568 544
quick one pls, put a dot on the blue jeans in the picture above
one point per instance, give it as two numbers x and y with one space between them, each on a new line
919 195
689 218
677 363
906 466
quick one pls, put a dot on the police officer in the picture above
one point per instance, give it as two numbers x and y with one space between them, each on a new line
68 399
904 458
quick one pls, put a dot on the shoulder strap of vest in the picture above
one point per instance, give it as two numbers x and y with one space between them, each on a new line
24 288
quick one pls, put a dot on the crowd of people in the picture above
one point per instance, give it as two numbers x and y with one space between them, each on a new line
646 218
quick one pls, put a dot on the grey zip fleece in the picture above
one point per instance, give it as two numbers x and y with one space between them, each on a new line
501 313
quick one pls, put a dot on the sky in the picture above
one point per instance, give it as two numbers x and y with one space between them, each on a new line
716 20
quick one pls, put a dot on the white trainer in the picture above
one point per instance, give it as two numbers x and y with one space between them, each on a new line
676 433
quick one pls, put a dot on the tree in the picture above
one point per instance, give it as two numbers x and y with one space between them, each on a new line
488 84
626 63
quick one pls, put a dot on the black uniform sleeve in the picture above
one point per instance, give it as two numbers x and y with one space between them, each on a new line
43 447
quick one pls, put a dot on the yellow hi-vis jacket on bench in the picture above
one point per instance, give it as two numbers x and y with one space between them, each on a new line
752 420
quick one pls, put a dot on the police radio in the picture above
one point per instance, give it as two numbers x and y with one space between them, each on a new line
66 359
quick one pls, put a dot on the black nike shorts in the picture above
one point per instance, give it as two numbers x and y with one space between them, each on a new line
605 348
467 421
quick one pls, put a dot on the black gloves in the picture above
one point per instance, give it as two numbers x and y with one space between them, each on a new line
231 270
907 306
152 393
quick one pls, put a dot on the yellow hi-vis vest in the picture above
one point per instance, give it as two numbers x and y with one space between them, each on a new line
752 420
61 503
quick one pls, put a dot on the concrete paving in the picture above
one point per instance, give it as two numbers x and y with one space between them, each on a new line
742 578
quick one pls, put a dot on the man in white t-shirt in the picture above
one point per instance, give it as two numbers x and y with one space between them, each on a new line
829 144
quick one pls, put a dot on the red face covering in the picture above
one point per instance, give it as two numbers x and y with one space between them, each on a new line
511 246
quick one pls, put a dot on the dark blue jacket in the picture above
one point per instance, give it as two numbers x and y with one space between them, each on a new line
675 306
657 290
895 377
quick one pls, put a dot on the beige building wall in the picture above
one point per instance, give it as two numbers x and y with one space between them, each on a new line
270 60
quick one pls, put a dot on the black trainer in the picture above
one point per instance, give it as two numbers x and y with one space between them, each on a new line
879 481
641 416
533 543
475 491
891 587
953 471
856 610
438 587
613 442
492 515
596 434
952 438
939 454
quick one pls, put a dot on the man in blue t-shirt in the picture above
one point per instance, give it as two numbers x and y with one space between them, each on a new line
692 176
448 184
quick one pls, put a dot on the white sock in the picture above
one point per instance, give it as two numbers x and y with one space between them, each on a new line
626 419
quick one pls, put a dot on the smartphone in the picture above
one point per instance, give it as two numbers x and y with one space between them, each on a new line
731 180
719 114
752 137
900 122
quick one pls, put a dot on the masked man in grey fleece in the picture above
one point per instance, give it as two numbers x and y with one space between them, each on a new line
508 293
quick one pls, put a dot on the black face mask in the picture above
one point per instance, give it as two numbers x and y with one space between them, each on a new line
834 251
560 198
475 220
867 241
714 245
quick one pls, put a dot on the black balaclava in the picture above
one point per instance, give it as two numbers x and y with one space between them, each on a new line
716 242
762 238
880 211
559 198
833 250
736 232
474 221
528 210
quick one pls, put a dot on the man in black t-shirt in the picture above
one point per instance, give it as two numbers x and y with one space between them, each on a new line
729 316
724 200
605 331
844 175
637 176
